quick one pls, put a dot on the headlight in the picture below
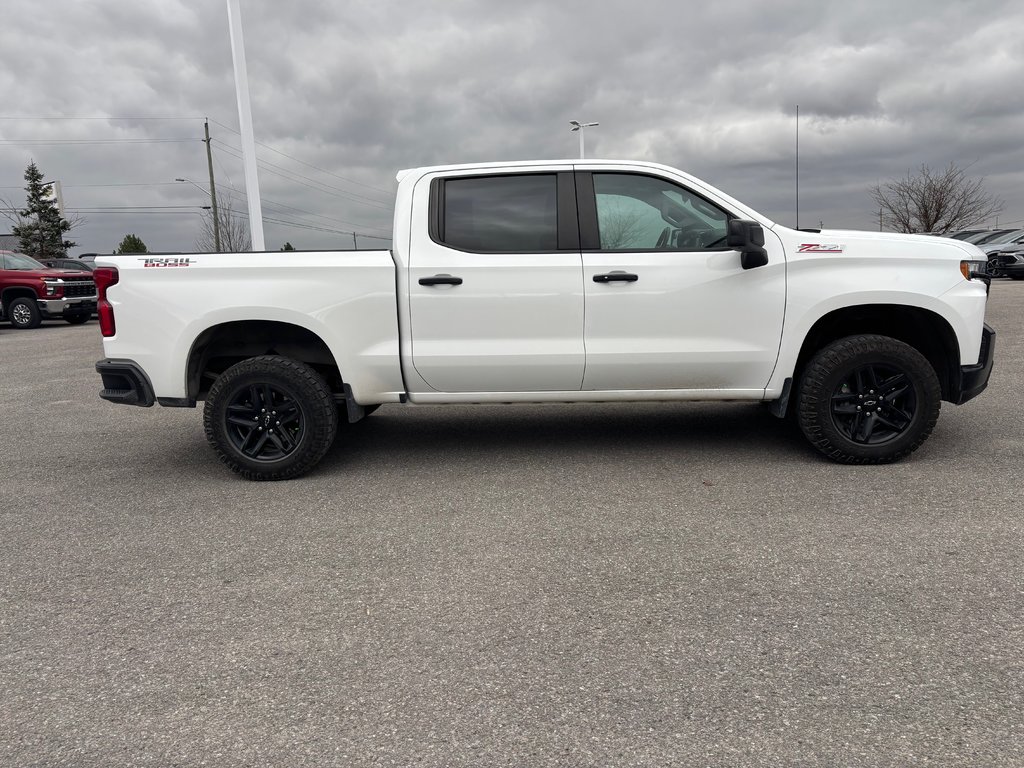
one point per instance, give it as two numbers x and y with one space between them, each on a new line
973 269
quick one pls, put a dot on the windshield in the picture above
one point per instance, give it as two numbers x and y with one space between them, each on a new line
987 237
21 262
1008 237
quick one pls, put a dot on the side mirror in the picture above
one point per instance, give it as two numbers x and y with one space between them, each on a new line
747 237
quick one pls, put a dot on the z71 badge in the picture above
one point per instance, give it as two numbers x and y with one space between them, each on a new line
820 248
174 261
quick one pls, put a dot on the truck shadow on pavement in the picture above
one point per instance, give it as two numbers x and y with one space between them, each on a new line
734 430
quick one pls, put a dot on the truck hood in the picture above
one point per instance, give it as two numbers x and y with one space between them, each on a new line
63 274
841 242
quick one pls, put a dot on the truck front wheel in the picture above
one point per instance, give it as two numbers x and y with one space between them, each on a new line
868 400
270 418
23 313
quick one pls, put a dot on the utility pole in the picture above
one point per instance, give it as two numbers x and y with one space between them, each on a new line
355 245
213 189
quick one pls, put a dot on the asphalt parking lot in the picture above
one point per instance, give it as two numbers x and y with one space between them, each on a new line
605 585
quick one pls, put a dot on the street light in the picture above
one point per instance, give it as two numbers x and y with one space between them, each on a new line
213 201
578 126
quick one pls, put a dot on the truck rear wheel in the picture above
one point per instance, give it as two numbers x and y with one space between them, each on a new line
270 418
868 400
23 313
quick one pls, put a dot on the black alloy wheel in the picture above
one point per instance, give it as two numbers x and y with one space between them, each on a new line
868 399
264 422
874 404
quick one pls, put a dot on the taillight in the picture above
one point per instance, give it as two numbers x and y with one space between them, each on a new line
105 277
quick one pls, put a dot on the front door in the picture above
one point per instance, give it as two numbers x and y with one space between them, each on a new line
668 305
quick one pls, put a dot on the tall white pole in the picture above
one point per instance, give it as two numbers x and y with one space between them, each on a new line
252 183
581 142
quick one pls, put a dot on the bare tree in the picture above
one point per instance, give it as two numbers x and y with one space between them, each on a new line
619 227
234 230
934 201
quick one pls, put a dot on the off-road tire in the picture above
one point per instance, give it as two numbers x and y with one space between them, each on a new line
23 313
291 407
868 400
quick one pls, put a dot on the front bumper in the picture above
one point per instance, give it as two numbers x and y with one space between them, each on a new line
63 306
125 382
974 378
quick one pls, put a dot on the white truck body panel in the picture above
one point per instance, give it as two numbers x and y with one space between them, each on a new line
347 299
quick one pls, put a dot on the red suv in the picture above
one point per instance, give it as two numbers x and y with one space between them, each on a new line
31 292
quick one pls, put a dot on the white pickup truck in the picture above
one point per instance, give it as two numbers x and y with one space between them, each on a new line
560 281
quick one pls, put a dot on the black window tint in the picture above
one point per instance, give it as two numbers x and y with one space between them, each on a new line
501 214
636 212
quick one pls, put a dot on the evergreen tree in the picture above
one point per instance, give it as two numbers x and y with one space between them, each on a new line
40 229
132 244
288 247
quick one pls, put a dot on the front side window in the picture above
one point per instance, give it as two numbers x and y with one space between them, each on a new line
501 214
643 213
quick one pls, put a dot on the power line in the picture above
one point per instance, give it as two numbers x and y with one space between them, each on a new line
92 211
322 229
245 215
308 165
320 186
273 203
268 166
59 142
134 207
215 122
136 184
276 204
74 117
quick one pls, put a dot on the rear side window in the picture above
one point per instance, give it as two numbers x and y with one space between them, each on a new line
500 214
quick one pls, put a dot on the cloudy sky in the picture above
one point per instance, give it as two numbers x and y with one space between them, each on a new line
109 97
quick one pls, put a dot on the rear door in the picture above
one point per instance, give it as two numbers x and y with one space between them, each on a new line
496 299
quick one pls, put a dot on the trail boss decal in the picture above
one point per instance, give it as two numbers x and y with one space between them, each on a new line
175 261
820 248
